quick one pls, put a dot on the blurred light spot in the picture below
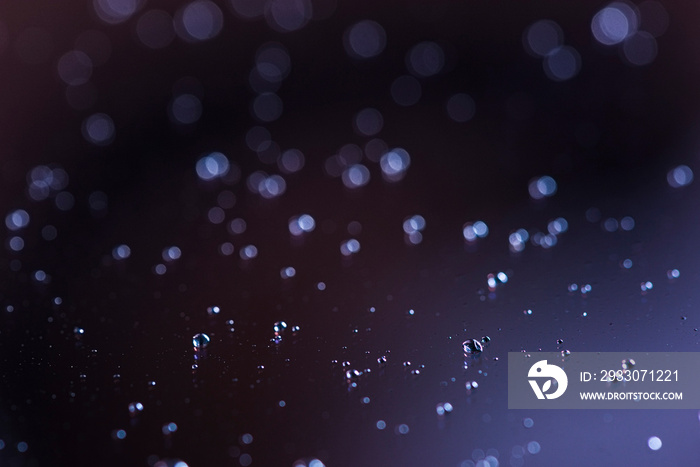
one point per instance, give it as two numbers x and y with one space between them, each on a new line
640 49
200 20
461 107
258 139
558 226
237 226
291 161
402 429
356 176
267 107
654 443
22 446
245 460
272 187
248 9
394 164
533 447
368 122
593 215
64 201
562 63
349 247
272 62
16 243
673 274
75 68
542 187
212 166
654 17
98 129
610 225
115 11
680 176
288 272
517 240
49 233
155 29
17 219
614 23
645 286
321 286
302 224
226 199
34 46
627 223
171 253
542 37
185 109
365 39
425 59
471 232
254 181
414 224
627 264
528 423
248 252
169 428
216 215
288 15
121 252
406 90
375 149
226 249
247 438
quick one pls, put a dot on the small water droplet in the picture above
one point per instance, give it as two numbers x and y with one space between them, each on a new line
628 364
565 353
213 310
485 340
472 385
673 274
527 312
407 363
472 347
200 341
382 360
78 332
443 408
279 327
135 408
560 341
352 375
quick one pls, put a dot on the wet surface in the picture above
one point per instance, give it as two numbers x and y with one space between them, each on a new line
245 238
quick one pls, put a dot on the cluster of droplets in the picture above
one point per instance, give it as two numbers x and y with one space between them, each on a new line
413 227
473 231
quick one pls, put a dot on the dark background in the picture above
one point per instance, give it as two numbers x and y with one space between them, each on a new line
608 136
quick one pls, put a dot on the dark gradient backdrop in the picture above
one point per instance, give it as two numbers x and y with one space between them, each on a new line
85 330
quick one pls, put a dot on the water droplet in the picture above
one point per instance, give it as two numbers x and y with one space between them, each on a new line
279 327
628 364
485 340
528 422
527 312
349 247
654 443
443 408
382 360
78 332
471 385
560 341
213 310
645 286
565 353
673 274
472 347
352 375
200 341
542 187
573 287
